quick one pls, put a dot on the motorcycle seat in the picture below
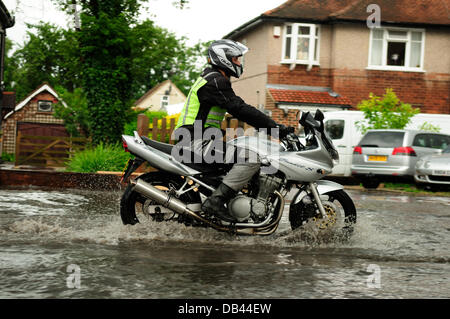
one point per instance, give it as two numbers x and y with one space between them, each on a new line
201 167
160 146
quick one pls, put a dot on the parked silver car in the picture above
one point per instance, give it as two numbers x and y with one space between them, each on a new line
391 155
434 169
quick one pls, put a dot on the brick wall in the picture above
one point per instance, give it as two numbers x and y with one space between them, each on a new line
278 115
281 74
29 113
428 91
52 179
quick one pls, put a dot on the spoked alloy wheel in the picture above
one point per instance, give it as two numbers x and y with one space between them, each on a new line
133 203
339 207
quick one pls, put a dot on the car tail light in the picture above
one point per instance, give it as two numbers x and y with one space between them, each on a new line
125 146
357 150
405 151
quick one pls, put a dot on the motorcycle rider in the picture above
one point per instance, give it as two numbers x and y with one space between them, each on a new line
209 99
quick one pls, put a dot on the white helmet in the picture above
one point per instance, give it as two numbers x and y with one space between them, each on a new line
221 52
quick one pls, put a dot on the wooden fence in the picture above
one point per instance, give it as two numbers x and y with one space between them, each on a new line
161 129
47 151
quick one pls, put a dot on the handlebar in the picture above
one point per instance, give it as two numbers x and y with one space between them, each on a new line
313 126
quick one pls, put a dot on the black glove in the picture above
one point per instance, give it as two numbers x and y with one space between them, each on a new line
285 130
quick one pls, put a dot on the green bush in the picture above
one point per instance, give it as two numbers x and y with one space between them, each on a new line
429 127
101 158
387 112
6 157
130 127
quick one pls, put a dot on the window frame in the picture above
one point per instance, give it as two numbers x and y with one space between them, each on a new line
40 102
314 28
384 66
164 99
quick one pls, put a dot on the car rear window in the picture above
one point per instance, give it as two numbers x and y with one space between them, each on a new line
382 139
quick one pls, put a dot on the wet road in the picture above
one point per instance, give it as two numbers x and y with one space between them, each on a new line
72 244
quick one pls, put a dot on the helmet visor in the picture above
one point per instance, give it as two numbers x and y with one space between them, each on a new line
238 60
242 48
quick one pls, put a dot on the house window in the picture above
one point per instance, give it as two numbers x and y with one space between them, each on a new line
164 101
45 106
397 49
301 43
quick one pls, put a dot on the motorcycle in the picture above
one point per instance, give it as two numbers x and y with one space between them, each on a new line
176 190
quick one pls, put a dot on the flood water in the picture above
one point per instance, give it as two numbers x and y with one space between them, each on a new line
72 244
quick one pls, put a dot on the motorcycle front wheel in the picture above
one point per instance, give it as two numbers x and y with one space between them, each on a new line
338 206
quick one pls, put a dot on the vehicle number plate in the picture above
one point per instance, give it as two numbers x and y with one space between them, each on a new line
441 173
377 158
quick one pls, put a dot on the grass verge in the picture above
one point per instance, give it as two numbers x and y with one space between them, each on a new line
434 190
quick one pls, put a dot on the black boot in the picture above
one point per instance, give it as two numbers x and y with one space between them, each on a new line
215 204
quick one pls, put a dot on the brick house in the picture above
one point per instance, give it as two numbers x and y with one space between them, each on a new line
32 116
306 54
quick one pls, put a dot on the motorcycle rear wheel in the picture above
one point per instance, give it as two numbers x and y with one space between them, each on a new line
133 202
300 213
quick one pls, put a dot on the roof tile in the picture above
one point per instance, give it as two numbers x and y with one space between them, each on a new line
312 97
395 11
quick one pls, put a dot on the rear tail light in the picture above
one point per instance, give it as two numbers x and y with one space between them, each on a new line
125 146
405 151
357 150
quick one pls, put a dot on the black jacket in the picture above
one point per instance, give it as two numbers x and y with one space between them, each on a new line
218 92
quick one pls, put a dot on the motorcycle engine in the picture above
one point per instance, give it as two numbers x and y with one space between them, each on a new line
244 207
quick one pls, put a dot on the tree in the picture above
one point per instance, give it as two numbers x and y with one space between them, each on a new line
385 113
105 49
158 55
74 111
105 39
49 56
190 66
103 66
11 67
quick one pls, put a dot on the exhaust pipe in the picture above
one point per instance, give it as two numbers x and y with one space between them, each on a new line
160 197
151 192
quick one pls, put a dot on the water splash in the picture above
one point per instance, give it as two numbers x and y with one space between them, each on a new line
87 217
109 230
